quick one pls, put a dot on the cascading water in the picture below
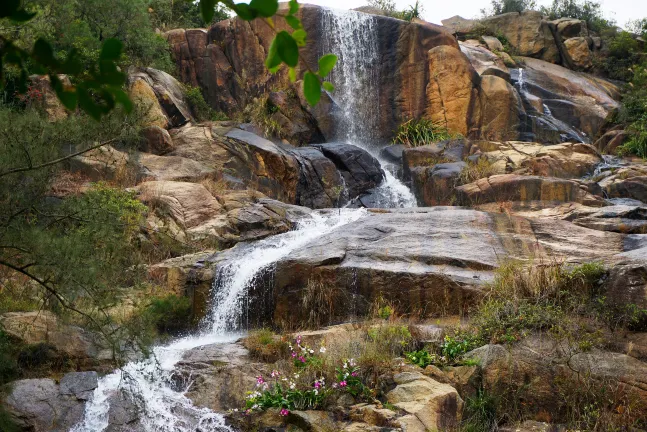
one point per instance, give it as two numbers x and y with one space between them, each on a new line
352 36
149 383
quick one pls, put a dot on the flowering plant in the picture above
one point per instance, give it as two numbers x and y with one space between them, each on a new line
348 378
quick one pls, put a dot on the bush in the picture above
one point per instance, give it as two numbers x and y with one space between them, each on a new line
265 345
505 6
199 106
541 297
479 413
585 10
171 314
482 168
390 9
415 133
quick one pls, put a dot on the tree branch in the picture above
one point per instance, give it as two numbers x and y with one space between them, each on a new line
56 161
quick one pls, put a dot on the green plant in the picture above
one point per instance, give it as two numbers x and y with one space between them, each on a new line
199 106
170 314
585 10
8 359
260 113
499 7
419 132
264 344
480 413
482 168
421 358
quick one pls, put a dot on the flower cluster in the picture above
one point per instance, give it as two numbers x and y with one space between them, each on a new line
33 94
302 354
286 392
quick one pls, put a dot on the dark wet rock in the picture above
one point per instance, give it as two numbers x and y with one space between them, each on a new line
42 405
320 184
626 287
298 126
124 414
435 185
360 170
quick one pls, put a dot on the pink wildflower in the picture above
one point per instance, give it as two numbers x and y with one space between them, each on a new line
260 380
342 384
294 354
317 385
284 412
302 359
354 374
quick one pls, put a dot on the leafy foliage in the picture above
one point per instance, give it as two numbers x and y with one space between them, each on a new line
419 132
585 10
170 314
172 14
389 8
505 6
199 107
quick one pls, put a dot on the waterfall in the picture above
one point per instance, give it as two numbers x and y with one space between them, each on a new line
149 383
353 37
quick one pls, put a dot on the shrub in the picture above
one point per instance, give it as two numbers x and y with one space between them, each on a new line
8 364
585 10
199 106
390 9
479 413
541 297
449 352
415 133
505 6
171 314
260 114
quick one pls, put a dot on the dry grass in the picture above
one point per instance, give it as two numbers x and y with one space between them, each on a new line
67 183
482 168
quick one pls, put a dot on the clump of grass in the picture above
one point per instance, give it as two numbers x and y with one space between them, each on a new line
260 114
482 168
539 297
419 132
480 413
265 345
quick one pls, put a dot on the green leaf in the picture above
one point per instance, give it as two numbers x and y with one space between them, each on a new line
245 12
122 98
72 65
311 88
292 74
12 9
273 59
265 8
111 50
293 22
300 37
276 68
87 104
326 64
327 85
208 9
294 7
287 48
44 54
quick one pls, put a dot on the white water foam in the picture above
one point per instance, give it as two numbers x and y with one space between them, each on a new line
149 383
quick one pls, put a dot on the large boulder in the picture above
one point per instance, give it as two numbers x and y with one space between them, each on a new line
527 32
582 101
360 170
538 369
484 61
499 110
578 53
41 405
426 261
43 327
166 89
527 189
452 91
436 405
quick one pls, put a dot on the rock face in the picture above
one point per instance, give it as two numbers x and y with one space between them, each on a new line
516 188
581 101
535 369
227 63
42 405
43 327
429 261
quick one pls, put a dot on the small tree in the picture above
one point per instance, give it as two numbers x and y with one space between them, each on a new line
505 6
585 10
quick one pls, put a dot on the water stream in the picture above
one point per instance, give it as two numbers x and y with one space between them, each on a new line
352 36
149 383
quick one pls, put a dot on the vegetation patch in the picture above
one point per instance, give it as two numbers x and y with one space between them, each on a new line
199 106
419 132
